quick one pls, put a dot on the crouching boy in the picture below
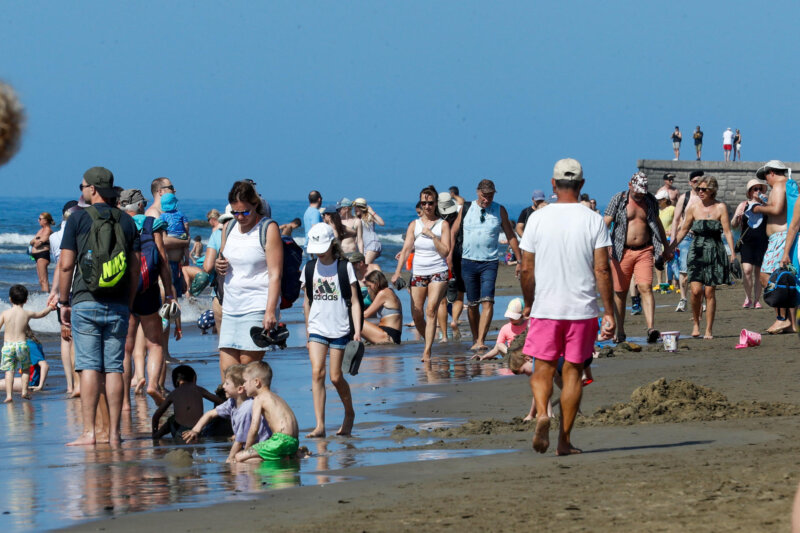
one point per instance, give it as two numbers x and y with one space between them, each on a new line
238 408
283 443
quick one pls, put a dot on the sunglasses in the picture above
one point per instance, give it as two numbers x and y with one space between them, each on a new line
426 203
83 186
169 187
241 213
483 215
703 189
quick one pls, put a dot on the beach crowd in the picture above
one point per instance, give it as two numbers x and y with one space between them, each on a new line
124 264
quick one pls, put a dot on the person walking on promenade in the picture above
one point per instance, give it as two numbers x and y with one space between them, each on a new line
638 237
685 201
99 322
677 137
752 242
709 263
698 142
775 173
429 238
727 143
480 222
564 267
737 145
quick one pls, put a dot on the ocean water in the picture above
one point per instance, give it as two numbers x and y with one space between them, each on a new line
47 485
18 225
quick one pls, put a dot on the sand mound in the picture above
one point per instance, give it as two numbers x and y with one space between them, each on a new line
178 458
473 427
680 401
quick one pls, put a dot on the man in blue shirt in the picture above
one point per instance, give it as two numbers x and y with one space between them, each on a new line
312 215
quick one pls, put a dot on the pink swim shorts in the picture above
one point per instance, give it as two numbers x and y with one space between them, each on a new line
550 339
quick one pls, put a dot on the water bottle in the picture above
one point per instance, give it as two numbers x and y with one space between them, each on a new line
86 267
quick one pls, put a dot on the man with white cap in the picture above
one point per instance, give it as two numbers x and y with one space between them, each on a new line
776 174
564 266
727 143
638 237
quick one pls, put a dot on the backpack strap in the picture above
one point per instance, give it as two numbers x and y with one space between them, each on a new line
344 282
309 275
226 230
685 202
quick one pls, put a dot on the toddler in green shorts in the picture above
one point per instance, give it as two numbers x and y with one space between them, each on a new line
284 442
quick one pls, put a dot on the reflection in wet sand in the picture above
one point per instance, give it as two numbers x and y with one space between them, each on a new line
79 484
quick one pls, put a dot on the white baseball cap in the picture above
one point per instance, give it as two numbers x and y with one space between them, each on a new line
514 309
662 195
568 170
319 238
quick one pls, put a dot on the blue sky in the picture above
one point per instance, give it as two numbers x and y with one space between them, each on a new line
379 99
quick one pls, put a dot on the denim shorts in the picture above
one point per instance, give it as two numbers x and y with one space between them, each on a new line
339 343
479 280
684 246
234 332
99 331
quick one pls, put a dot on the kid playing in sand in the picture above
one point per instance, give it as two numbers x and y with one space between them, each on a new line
238 408
188 400
516 325
15 352
284 442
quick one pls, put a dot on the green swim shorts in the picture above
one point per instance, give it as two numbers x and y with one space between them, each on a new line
278 446
15 355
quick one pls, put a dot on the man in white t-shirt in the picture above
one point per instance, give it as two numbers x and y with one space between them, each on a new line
564 266
727 143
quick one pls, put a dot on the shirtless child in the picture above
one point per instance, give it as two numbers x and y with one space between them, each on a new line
15 351
284 442
188 400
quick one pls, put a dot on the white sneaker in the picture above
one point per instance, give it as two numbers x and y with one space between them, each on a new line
681 306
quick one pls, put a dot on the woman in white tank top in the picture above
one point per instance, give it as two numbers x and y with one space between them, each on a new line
252 275
429 238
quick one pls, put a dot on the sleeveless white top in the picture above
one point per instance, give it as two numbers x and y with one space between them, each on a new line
247 280
427 260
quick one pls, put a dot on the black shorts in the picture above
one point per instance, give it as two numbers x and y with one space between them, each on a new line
41 255
147 302
394 334
460 287
753 252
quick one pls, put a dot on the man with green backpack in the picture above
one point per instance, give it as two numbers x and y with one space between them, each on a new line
100 265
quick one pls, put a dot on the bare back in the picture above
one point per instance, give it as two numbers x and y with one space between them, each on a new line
187 400
15 321
276 412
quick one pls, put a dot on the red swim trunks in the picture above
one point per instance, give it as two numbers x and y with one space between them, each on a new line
727 146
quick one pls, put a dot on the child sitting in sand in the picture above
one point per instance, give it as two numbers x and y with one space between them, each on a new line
238 408
15 352
188 400
177 222
516 325
284 442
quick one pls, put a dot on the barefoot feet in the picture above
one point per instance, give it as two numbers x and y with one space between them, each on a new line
87 439
318 433
541 435
347 426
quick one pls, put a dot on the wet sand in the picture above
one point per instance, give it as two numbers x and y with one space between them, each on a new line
718 462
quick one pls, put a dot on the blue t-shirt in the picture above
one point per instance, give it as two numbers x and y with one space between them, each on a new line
176 223
215 240
311 217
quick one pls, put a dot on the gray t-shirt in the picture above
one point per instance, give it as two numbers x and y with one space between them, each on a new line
240 419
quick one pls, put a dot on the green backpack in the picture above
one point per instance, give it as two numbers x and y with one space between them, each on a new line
105 262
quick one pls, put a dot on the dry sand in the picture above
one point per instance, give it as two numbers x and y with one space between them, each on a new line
705 439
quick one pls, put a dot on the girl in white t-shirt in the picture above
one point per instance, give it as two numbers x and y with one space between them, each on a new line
328 324
429 238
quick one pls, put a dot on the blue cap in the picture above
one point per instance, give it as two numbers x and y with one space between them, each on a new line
538 195
169 202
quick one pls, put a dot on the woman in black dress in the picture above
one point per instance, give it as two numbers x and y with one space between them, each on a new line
753 243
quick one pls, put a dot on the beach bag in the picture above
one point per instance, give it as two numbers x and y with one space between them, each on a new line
792 194
149 264
781 289
344 287
292 260
104 264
